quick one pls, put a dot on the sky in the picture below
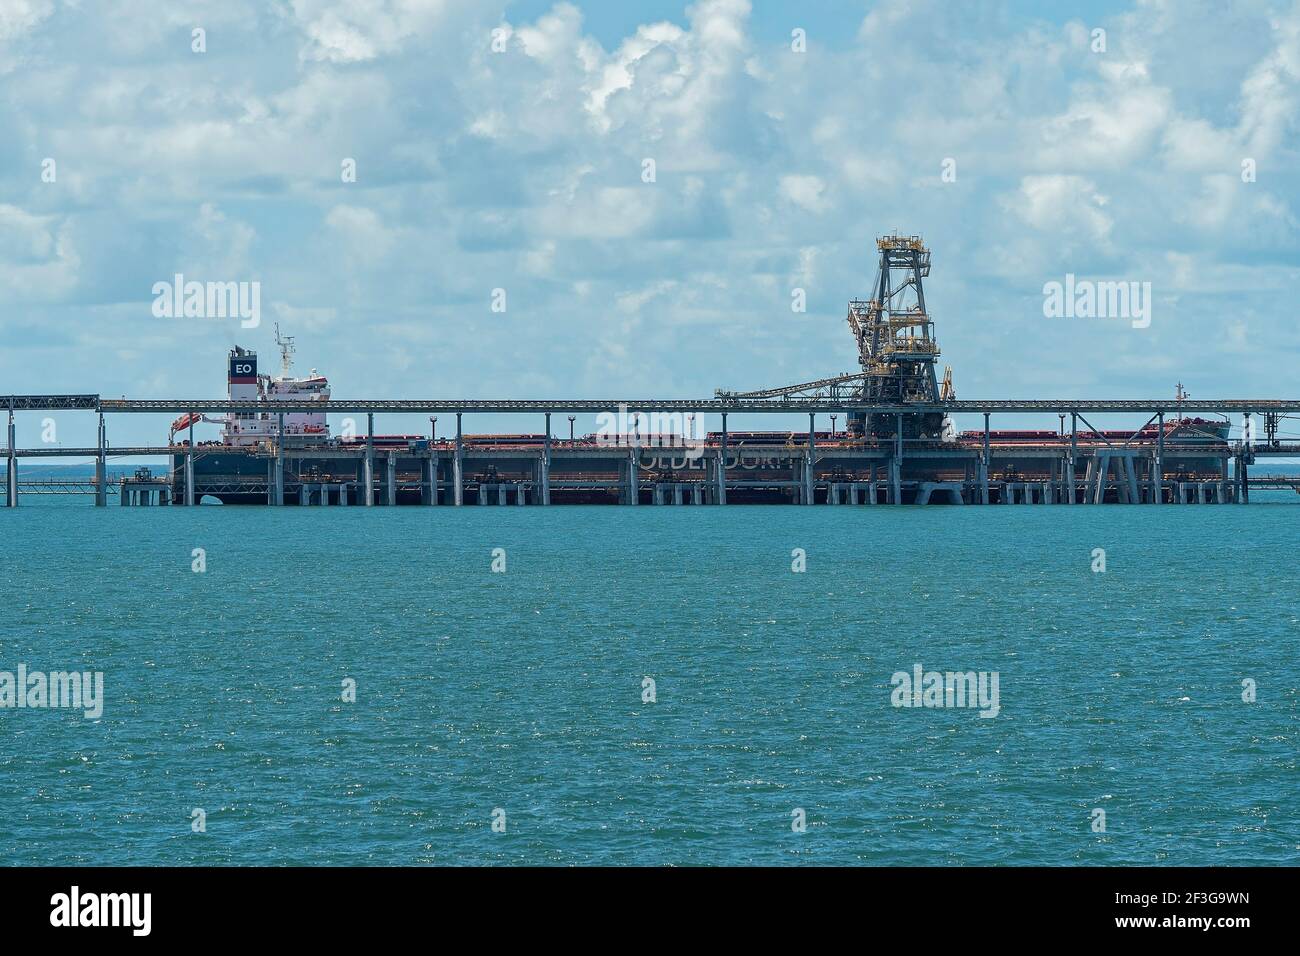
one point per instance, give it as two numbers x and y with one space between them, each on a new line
500 154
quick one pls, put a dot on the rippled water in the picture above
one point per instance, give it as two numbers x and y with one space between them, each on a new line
522 690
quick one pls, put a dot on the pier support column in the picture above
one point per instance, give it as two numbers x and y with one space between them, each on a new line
1159 469
545 496
11 475
1072 464
458 467
101 470
368 466
633 477
985 464
896 463
279 461
189 467
1102 471
431 478
1246 450
390 496
810 466
1130 470
722 463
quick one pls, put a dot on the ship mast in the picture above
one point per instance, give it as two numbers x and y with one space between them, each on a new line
286 351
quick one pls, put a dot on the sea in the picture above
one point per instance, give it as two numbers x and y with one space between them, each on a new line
653 685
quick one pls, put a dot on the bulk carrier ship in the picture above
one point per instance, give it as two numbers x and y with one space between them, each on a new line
864 461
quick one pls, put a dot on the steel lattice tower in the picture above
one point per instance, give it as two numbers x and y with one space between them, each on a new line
896 345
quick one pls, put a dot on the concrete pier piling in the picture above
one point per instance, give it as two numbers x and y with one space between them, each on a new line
11 469
368 470
101 464
721 467
546 465
810 462
458 466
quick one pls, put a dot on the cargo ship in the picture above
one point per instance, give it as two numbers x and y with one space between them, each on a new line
763 465
269 455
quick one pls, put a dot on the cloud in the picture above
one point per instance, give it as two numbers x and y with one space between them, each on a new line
522 170
38 260
353 31
18 17
1065 205
806 192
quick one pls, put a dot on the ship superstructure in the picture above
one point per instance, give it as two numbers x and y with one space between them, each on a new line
245 383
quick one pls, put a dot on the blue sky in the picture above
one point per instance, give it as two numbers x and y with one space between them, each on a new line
521 170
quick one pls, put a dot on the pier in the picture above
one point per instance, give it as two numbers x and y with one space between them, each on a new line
805 466
897 445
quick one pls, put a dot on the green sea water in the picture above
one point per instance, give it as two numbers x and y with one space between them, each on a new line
521 695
